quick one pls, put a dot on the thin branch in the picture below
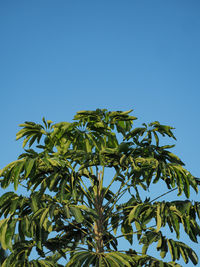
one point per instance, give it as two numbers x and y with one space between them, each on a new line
78 228
111 226
118 193
113 179
136 232
111 208
86 191
164 194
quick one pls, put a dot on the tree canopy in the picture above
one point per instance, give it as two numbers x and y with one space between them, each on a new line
75 210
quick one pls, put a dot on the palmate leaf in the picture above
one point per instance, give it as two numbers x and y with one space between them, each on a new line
147 260
179 248
175 175
80 257
83 258
31 131
171 213
176 248
34 263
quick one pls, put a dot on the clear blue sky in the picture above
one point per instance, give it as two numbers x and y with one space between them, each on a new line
58 57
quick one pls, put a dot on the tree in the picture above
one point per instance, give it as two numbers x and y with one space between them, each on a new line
73 209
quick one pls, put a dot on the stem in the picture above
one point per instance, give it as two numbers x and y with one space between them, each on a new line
135 232
115 196
163 194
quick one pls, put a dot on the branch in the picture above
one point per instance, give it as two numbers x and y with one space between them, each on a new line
164 194
136 232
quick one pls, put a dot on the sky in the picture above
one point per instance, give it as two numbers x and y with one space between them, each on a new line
59 57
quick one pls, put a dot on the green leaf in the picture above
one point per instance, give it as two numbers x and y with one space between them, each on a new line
16 172
140 131
117 260
134 212
186 187
144 249
175 250
88 146
127 231
66 211
43 217
54 178
89 260
77 214
175 223
183 254
193 256
158 217
126 259
139 229
14 204
62 190
156 138
34 202
3 229
170 246
37 213
159 245
112 260
115 219
28 166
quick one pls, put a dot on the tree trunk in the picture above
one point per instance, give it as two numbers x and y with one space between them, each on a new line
98 224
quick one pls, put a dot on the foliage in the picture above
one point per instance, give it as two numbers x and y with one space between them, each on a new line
74 211
3 255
